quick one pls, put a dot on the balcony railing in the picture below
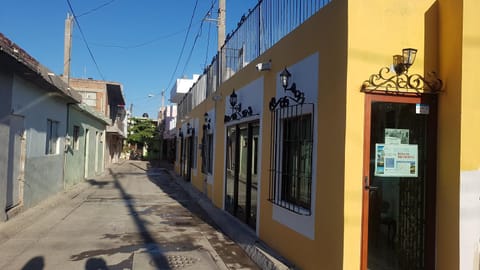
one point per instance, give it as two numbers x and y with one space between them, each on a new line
259 30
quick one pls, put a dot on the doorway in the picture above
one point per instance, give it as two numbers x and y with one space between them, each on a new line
241 186
399 179
16 162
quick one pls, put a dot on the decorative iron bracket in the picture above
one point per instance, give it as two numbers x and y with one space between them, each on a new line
298 98
402 83
238 113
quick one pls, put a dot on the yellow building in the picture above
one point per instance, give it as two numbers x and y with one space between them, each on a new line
373 163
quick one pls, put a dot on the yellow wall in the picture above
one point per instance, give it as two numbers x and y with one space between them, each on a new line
449 123
470 148
377 30
354 39
325 34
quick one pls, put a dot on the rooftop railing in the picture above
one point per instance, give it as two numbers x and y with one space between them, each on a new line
257 31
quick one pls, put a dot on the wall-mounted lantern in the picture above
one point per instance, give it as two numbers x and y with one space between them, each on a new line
237 112
401 81
206 125
180 133
298 96
190 129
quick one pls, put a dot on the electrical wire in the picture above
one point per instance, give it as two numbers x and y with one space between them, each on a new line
196 38
96 8
183 46
85 40
142 44
208 38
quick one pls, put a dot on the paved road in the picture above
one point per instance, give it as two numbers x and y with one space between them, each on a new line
134 217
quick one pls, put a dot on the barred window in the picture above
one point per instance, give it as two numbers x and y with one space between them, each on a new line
292 153
297 161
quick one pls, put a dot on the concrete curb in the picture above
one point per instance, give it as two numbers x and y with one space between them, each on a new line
259 252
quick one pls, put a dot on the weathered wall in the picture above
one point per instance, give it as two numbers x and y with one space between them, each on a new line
75 158
43 173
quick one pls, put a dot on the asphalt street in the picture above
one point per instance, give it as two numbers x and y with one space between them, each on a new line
135 216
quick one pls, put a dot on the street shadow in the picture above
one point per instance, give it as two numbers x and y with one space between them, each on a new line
153 248
157 172
99 184
96 264
36 263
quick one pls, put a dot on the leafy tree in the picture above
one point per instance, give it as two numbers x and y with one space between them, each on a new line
141 131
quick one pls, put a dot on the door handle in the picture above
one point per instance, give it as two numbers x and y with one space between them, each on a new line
367 185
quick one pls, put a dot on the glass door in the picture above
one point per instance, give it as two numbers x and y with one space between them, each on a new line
399 183
241 172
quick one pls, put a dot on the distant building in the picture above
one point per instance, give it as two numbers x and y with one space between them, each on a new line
181 87
106 97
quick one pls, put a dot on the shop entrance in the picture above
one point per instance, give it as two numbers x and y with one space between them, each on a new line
399 182
241 184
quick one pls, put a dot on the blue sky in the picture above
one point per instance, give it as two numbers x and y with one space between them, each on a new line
136 43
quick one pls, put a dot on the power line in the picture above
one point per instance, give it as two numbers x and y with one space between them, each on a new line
184 43
96 8
196 38
208 37
85 40
142 44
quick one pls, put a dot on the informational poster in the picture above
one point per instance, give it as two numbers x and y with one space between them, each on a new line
396 160
397 136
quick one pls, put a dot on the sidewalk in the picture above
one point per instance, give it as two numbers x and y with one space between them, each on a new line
259 252
133 217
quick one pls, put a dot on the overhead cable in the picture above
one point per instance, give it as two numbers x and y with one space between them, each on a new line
85 40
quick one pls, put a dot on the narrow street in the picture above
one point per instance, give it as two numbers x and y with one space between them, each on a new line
133 217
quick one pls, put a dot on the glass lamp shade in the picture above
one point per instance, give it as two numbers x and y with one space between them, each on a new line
233 99
409 55
284 76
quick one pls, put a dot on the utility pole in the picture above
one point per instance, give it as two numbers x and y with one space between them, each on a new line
67 48
222 14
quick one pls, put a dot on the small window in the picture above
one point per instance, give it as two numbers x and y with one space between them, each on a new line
76 134
52 137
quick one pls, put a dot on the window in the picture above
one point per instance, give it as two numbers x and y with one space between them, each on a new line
207 154
76 134
292 157
297 161
52 137
210 153
194 152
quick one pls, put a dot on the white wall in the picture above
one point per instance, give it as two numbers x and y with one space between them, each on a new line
305 75
470 221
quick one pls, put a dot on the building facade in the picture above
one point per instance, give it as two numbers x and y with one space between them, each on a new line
33 123
344 137
107 98
86 144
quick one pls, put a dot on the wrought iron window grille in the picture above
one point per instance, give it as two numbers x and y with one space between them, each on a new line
291 150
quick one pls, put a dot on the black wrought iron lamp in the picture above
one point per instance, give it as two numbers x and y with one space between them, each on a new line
237 112
401 81
298 96
401 63
206 125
